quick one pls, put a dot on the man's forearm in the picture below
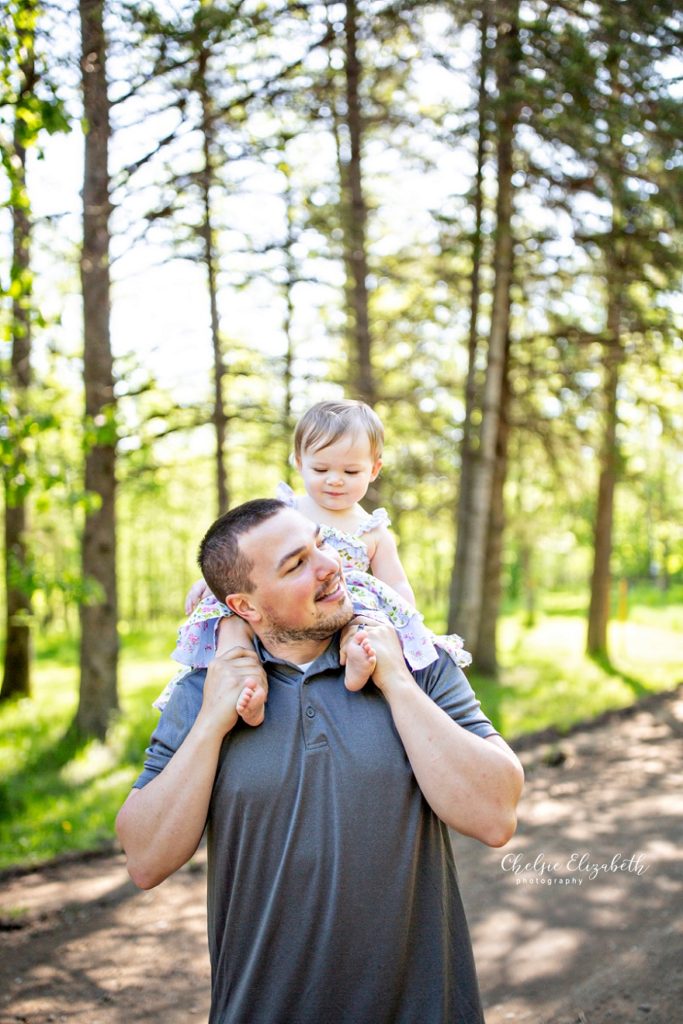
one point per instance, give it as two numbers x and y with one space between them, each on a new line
472 784
160 825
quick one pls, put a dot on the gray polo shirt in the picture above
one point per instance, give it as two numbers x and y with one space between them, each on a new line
332 891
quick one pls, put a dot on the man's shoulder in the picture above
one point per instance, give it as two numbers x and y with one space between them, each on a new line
186 698
443 667
448 686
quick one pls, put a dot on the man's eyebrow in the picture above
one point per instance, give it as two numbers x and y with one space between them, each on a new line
297 551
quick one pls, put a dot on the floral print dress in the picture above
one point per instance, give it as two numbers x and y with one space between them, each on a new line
197 637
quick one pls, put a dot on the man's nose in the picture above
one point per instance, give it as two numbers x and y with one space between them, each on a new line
328 562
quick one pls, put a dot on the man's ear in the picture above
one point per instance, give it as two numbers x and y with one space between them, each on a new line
242 606
375 469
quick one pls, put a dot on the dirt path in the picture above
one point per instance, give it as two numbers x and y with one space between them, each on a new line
559 939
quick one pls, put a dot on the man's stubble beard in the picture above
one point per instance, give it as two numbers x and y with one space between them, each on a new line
278 632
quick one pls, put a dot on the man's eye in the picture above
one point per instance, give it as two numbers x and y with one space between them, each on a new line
296 565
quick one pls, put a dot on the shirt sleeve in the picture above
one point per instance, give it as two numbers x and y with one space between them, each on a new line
448 687
175 722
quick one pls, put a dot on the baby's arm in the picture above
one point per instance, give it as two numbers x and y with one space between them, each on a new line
386 565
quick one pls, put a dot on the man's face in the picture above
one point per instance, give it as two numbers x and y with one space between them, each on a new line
299 591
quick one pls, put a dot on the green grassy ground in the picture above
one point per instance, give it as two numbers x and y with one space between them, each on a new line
57 795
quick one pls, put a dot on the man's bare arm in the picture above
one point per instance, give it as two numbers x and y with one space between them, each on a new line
160 825
472 784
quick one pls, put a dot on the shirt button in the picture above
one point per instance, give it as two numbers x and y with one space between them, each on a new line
310 712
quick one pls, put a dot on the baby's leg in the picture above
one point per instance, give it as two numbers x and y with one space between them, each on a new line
233 632
251 703
360 661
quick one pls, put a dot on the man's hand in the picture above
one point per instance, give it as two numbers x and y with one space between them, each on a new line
472 784
391 667
226 677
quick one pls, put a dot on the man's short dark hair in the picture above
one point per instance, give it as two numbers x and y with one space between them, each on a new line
223 565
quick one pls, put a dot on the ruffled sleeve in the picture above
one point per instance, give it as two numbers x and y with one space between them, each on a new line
196 644
283 492
380 517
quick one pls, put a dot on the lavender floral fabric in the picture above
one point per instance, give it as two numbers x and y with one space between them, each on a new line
196 644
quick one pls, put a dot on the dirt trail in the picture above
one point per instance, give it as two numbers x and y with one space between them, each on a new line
579 920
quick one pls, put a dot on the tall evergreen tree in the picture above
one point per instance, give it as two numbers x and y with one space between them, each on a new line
467 615
468 453
98 696
16 676
610 102
355 215
22 74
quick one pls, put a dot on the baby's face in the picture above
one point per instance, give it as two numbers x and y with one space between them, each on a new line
338 476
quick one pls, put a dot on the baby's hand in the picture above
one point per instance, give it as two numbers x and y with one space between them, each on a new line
197 592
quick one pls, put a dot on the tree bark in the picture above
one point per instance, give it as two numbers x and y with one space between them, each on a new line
616 256
220 419
17 663
468 453
288 374
486 651
99 640
468 617
598 611
362 376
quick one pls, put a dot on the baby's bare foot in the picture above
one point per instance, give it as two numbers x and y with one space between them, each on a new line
251 704
360 661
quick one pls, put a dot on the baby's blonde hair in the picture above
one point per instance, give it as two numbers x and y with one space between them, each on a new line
326 422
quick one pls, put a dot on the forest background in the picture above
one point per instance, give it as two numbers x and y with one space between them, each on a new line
214 214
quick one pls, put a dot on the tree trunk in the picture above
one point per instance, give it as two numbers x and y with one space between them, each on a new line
616 259
468 617
99 639
16 679
468 453
220 419
486 651
362 376
598 612
288 375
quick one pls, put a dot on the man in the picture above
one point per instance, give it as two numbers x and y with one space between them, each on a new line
332 896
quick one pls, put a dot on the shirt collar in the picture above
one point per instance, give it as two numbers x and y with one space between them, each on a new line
328 659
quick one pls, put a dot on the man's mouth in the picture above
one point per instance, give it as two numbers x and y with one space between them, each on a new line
332 591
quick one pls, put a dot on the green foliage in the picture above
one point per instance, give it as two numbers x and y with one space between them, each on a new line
57 794
275 73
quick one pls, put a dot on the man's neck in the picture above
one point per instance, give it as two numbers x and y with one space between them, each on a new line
299 652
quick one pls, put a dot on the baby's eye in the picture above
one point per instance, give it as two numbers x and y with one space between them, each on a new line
352 472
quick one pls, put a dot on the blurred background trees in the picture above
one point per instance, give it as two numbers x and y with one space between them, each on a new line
468 214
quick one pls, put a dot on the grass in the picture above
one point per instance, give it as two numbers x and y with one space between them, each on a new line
58 795
547 679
